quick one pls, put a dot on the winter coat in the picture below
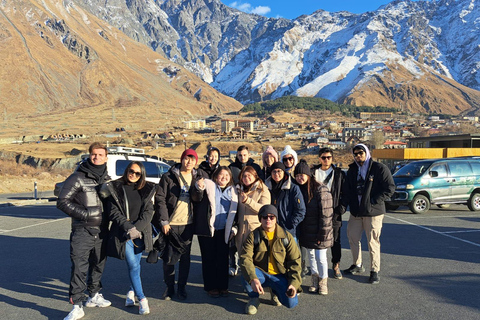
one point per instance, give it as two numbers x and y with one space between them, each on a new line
205 171
378 187
237 167
316 230
337 191
80 200
167 195
204 210
116 208
287 259
290 205
247 220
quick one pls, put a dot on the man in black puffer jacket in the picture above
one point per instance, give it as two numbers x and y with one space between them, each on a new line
80 200
368 185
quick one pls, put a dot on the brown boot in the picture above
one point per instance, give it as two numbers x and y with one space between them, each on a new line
337 274
322 287
314 287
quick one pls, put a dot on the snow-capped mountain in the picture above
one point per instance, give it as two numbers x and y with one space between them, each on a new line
421 56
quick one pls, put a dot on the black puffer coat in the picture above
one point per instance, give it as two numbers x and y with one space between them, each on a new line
237 167
316 229
167 195
205 171
80 200
116 210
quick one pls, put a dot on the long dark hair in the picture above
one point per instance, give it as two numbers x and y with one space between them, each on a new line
312 185
141 182
217 173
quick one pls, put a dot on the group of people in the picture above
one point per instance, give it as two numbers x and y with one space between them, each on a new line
266 222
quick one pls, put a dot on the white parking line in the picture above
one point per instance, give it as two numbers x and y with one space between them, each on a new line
33 225
464 231
435 231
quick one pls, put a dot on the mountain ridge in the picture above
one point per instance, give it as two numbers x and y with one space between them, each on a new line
330 55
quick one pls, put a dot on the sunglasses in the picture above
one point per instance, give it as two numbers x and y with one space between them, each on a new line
287 159
268 217
359 153
326 157
135 173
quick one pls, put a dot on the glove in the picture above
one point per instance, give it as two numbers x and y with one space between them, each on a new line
133 233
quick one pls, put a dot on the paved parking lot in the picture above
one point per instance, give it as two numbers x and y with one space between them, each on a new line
430 270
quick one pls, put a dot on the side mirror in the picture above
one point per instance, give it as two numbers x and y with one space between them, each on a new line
433 174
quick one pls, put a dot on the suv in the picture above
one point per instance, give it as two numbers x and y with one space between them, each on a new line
120 157
441 182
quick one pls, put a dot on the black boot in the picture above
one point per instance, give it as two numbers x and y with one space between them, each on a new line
169 293
182 293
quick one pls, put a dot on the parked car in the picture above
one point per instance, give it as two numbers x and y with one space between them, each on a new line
120 157
440 182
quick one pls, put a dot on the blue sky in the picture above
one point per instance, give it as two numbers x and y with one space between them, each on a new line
292 9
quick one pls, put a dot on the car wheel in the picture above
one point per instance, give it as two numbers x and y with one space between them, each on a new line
420 204
443 206
391 207
474 202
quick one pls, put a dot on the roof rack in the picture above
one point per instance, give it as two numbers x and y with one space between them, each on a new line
125 150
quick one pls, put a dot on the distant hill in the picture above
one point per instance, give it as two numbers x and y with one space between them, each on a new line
291 103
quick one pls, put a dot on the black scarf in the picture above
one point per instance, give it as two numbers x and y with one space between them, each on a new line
98 171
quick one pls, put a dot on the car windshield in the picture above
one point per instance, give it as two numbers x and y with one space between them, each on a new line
153 169
414 169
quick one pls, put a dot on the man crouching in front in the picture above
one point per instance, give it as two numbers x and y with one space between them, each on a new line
270 258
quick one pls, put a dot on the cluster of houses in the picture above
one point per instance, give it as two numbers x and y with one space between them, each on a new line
383 130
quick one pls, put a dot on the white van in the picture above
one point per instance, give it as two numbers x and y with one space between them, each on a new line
120 157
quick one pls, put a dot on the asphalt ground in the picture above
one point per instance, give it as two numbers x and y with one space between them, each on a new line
430 270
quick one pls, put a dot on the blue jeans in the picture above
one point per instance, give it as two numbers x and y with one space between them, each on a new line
278 283
133 256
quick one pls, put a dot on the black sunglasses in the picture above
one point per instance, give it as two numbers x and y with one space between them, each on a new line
269 217
135 173
287 159
326 157
359 153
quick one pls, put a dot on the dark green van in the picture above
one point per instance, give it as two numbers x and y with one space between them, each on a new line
441 182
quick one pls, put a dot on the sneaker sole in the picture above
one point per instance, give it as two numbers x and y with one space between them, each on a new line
96 305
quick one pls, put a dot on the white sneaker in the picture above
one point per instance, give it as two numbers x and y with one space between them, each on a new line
143 307
97 301
76 313
232 272
130 300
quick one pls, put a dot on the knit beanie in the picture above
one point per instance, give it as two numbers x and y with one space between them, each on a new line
189 152
267 209
288 150
302 168
278 165
269 151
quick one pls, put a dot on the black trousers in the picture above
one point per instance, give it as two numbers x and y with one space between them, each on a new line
88 257
186 232
337 246
215 264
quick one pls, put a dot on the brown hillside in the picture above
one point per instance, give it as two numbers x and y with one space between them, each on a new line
59 63
430 93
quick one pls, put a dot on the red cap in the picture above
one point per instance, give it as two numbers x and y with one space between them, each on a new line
189 152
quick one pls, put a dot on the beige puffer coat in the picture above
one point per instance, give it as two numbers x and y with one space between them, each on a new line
247 212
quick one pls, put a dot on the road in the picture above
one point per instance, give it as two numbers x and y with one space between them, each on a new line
430 270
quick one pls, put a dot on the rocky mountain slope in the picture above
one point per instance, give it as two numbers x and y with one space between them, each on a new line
58 57
417 56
